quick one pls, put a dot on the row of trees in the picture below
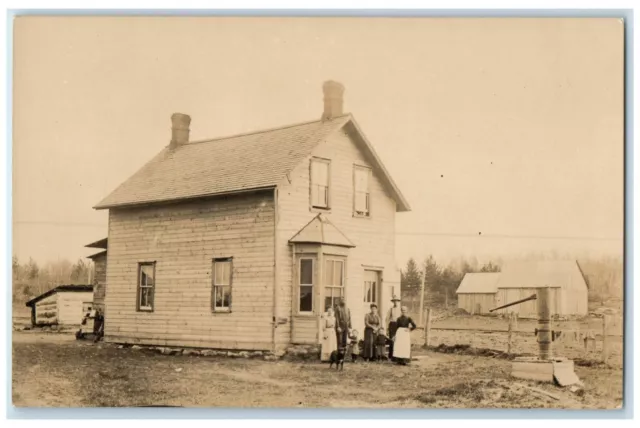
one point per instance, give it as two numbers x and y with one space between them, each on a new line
30 279
441 281
604 276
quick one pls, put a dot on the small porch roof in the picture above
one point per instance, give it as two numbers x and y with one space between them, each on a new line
102 243
321 231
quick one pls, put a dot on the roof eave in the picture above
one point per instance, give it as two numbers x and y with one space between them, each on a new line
322 243
101 243
93 256
188 198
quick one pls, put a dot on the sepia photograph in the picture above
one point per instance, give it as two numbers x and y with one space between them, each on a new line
318 212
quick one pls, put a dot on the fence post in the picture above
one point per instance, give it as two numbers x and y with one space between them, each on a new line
510 333
605 342
427 328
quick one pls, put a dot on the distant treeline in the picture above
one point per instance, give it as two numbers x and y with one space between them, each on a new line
30 279
604 276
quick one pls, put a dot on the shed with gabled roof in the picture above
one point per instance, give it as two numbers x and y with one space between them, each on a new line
62 305
477 292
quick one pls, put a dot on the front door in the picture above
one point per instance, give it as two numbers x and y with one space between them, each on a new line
372 290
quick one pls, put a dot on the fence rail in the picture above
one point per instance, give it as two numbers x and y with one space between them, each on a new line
573 338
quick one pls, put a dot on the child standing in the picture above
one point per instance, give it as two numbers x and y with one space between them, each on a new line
354 349
381 344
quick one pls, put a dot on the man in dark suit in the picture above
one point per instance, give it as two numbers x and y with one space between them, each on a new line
343 323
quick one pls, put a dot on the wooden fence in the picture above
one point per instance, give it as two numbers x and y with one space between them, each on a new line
591 339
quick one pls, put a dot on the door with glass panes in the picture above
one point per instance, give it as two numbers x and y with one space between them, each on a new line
372 290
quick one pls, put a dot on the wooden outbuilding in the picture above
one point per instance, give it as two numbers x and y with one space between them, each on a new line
62 305
477 292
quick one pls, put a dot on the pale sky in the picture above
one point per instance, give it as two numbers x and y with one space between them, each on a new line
512 128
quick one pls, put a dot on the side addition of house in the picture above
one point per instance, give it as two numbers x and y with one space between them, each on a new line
243 242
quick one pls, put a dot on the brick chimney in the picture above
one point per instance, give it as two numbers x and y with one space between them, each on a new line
179 129
333 101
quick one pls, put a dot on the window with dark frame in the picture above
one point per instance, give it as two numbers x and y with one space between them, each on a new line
370 291
306 276
222 282
146 286
361 193
334 282
320 180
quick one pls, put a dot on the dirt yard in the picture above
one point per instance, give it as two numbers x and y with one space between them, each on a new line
54 370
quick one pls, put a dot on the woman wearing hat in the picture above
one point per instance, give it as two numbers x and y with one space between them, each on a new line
371 327
391 321
402 346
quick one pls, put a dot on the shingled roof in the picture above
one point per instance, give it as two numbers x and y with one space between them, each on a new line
541 273
480 282
246 162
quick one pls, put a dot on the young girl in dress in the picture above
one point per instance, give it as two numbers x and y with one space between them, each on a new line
354 349
329 340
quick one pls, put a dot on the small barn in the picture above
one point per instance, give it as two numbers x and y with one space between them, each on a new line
63 305
518 280
477 292
99 277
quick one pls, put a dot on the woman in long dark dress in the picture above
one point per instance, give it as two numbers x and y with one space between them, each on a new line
371 326
402 346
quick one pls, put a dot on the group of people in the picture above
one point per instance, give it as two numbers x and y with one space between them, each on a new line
337 334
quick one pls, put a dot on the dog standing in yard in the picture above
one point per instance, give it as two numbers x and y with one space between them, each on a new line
337 357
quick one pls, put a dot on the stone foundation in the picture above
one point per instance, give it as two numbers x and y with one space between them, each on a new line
199 352
303 352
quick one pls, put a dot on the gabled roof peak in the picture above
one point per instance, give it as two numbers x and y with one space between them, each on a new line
321 231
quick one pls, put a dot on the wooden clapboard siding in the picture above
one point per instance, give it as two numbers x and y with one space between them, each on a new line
47 305
70 305
99 280
183 239
374 237
527 309
477 303
304 330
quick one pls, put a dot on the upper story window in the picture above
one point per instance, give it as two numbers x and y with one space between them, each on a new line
361 192
146 286
222 278
320 183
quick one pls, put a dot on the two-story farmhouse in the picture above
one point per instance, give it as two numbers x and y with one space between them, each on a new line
242 242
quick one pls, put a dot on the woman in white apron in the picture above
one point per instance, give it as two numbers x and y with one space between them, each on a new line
402 340
329 341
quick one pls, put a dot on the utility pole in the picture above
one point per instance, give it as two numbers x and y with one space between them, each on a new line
424 275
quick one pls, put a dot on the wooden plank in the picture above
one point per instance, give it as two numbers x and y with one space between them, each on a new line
605 340
427 329
510 333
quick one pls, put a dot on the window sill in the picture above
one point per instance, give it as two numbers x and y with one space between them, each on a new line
319 209
305 314
144 310
221 311
356 215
